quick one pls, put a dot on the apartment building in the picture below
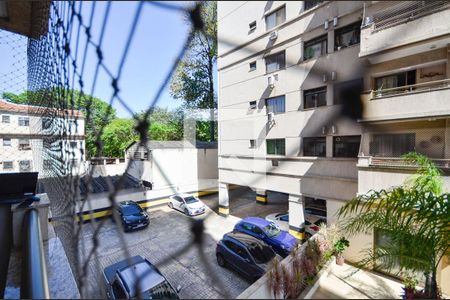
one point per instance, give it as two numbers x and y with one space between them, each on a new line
39 139
319 100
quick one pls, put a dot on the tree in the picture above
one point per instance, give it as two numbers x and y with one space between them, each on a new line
414 217
193 81
118 135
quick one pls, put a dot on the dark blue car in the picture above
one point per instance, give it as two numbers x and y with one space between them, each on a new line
281 241
245 254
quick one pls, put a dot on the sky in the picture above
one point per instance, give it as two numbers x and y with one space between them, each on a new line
157 40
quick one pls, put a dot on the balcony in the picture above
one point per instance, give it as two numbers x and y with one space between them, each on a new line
385 27
397 162
421 100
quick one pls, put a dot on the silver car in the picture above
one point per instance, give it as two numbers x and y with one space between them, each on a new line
312 222
188 204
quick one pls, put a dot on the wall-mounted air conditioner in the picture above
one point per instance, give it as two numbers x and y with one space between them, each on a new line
271 118
271 81
273 35
333 129
325 25
324 77
335 21
324 129
333 75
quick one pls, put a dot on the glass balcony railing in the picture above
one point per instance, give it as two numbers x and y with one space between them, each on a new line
412 88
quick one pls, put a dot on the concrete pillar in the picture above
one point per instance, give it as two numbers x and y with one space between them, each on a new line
329 145
296 217
261 196
330 38
224 199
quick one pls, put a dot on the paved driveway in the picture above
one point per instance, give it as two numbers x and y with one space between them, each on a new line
169 232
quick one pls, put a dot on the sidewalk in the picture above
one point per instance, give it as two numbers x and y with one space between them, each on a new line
348 282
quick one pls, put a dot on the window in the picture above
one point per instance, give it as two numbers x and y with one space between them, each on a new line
72 123
8 165
315 97
392 145
252 66
346 146
252 26
24 165
236 249
314 146
395 80
73 145
118 290
276 18
46 123
348 91
47 165
347 36
24 144
24 121
276 146
315 48
6 119
247 226
276 105
312 3
6 142
252 144
252 104
275 62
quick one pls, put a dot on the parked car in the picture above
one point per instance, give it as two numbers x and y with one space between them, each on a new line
188 204
312 222
137 278
132 215
245 254
280 241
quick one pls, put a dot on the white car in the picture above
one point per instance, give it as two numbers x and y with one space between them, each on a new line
312 222
188 204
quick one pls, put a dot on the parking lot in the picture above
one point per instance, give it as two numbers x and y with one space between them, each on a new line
168 232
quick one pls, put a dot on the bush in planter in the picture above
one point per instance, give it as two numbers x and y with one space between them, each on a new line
339 248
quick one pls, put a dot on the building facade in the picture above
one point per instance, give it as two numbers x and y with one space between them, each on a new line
38 139
319 100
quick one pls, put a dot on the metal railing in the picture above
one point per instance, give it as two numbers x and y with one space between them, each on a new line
34 284
400 162
406 11
411 88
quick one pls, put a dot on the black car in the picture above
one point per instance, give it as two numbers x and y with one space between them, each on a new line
245 254
132 215
137 277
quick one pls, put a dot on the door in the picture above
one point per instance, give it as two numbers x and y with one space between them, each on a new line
178 202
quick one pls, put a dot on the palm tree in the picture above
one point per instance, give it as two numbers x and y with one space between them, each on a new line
416 218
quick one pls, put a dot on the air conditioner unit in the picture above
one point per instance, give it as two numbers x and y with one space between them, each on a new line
324 130
333 75
271 81
271 118
324 78
335 21
273 35
333 129
326 25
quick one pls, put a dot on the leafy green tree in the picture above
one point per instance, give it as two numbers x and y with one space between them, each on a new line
118 135
415 217
193 81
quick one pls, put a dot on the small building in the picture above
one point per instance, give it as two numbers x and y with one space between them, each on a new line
179 165
42 139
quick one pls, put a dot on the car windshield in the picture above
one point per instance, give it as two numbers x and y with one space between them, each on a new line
190 200
272 230
131 209
160 291
261 253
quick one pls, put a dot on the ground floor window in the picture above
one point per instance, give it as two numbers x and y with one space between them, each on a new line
346 146
276 146
314 146
392 145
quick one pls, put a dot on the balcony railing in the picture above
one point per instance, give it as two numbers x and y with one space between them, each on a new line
412 88
406 11
397 162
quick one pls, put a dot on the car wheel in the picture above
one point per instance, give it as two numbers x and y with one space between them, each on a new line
170 205
186 211
220 260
